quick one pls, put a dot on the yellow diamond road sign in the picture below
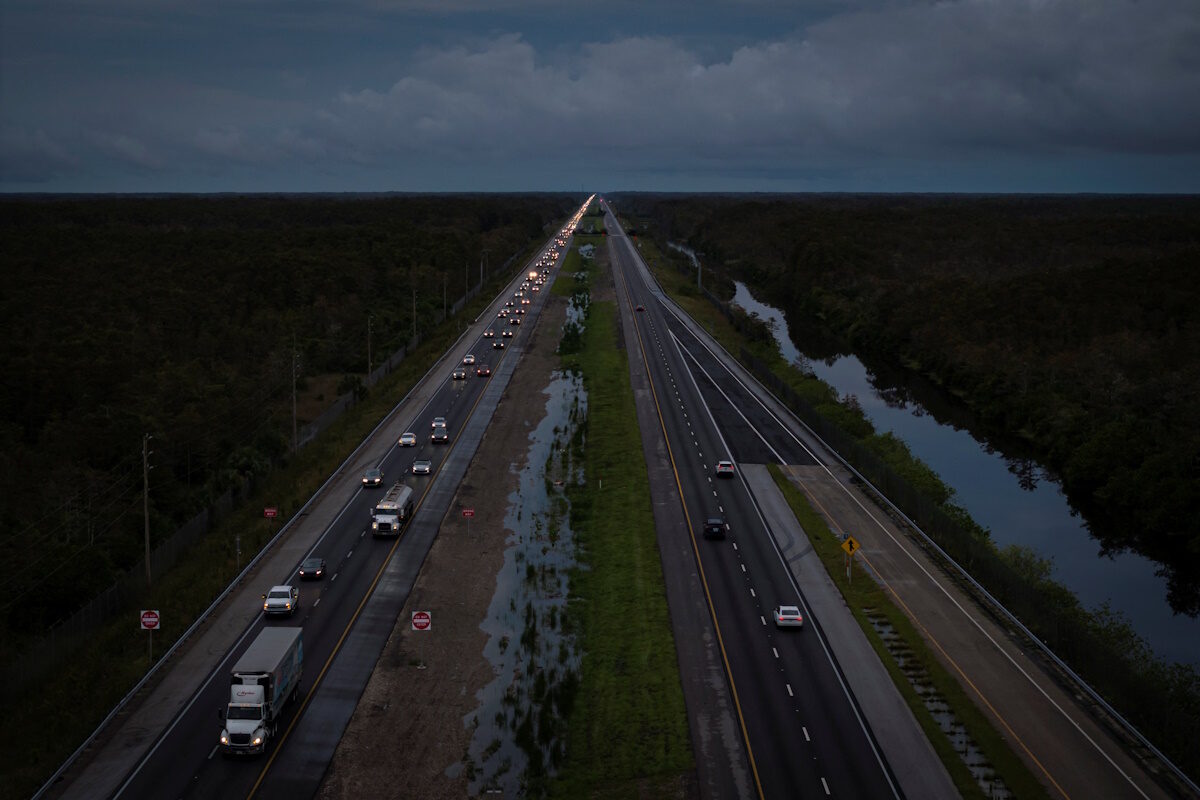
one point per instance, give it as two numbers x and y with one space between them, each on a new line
849 545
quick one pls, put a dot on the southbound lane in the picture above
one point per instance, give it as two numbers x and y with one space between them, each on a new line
802 728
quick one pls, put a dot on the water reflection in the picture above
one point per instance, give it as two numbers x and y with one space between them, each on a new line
519 733
1011 495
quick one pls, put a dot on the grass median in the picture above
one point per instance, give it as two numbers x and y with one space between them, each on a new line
866 600
628 733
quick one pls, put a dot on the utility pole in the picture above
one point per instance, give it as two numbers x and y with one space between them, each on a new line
295 359
414 290
370 323
146 451
482 258
445 283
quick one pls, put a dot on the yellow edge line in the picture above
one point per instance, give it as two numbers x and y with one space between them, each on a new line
925 632
692 535
963 675
367 596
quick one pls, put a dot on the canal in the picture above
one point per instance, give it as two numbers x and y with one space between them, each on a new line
1015 499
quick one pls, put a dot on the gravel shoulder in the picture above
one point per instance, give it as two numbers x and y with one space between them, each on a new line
408 733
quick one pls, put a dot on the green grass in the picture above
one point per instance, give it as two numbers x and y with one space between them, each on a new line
628 735
49 723
866 598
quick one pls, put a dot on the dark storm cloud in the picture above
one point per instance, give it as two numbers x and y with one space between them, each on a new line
966 84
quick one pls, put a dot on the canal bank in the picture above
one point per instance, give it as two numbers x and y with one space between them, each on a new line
1014 498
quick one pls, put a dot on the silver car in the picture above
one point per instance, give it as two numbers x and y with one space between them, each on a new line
788 617
282 599
422 466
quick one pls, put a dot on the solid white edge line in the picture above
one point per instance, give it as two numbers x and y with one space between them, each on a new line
886 532
837 673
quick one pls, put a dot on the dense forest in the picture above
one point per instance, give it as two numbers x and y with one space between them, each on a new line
184 318
1067 323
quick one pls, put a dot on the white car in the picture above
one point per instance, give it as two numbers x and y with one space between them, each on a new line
283 599
408 439
422 466
468 359
438 422
788 617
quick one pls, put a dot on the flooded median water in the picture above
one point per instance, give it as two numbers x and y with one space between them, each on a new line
519 727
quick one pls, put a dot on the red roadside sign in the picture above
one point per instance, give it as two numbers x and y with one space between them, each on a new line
421 621
468 512
270 512
150 619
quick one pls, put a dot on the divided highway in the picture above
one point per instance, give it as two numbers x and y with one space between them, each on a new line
804 732
184 760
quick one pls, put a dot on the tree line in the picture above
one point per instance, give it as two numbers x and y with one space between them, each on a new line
1067 323
184 317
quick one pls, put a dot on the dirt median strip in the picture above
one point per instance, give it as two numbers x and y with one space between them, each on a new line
408 730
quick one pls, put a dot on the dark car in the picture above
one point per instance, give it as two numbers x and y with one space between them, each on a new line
439 436
483 370
372 477
715 528
498 344
508 334
313 569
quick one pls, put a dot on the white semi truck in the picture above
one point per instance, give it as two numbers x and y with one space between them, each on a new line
263 681
393 512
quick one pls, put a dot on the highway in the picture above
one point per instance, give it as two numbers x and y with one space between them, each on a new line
185 761
804 733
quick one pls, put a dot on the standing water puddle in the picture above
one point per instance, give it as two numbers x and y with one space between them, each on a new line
519 730
964 746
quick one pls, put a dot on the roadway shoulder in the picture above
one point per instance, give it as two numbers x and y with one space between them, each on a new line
912 759
722 766
1061 743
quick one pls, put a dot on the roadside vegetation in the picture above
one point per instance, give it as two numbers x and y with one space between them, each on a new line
1065 325
185 318
1162 699
70 700
869 602
630 737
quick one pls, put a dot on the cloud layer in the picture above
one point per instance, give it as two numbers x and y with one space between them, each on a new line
960 83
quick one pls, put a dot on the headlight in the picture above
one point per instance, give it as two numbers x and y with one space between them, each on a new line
265 606
224 737
257 740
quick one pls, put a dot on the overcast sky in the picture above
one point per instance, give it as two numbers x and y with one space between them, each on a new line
489 95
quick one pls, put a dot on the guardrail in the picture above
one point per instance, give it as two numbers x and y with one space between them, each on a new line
1128 727
285 528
